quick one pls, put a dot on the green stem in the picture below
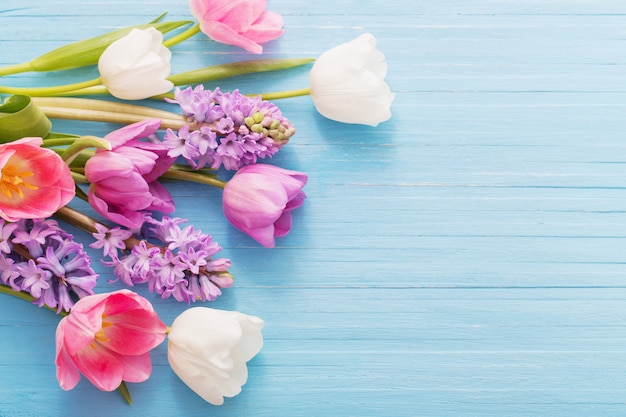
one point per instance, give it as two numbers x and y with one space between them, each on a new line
79 178
96 90
5 289
286 94
105 111
209 74
221 71
15 69
178 174
110 106
48 91
49 143
182 36
69 113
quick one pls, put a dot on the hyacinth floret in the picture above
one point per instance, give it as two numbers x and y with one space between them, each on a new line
40 258
173 261
227 130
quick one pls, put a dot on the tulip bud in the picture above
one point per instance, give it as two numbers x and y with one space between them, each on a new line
208 350
136 66
347 83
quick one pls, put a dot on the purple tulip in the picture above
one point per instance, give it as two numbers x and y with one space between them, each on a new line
259 198
123 180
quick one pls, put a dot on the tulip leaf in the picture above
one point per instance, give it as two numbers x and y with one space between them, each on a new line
159 18
87 52
217 72
20 117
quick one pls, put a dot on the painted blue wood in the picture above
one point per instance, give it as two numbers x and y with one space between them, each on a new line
466 258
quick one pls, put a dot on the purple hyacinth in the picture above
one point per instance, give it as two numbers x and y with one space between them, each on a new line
227 129
173 261
40 258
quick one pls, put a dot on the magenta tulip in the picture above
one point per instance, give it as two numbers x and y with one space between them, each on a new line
243 23
259 198
108 339
34 181
123 180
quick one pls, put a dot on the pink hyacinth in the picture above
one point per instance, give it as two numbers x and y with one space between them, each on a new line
243 23
123 180
34 181
259 198
108 339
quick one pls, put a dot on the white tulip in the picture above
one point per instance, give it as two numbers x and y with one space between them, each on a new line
347 83
136 66
208 350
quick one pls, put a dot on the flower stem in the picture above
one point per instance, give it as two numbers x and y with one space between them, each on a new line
105 111
218 72
286 94
182 36
76 218
15 69
49 143
102 105
48 91
5 289
95 90
179 174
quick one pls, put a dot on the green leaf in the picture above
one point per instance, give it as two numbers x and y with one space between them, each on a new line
20 117
88 51
217 72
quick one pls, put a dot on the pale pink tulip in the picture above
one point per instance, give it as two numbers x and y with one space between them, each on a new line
108 339
259 198
243 23
34 181
123 180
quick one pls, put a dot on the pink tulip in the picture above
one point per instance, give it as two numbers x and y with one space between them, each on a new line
108 339
34 181
124 180
259 198
243 23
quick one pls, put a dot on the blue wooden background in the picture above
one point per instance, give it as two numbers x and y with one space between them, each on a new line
465 258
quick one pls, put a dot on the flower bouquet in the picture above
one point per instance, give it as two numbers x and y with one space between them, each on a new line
208 135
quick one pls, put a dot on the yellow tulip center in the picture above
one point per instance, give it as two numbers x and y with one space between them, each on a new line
100 336
12 181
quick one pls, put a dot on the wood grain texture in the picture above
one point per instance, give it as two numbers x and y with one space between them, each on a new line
465 258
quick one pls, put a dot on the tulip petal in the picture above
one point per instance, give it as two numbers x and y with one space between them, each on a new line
67 373
282 225
119 215
136 368
134 332
264 235
251 341
219 32
241 23
133 131
100 367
